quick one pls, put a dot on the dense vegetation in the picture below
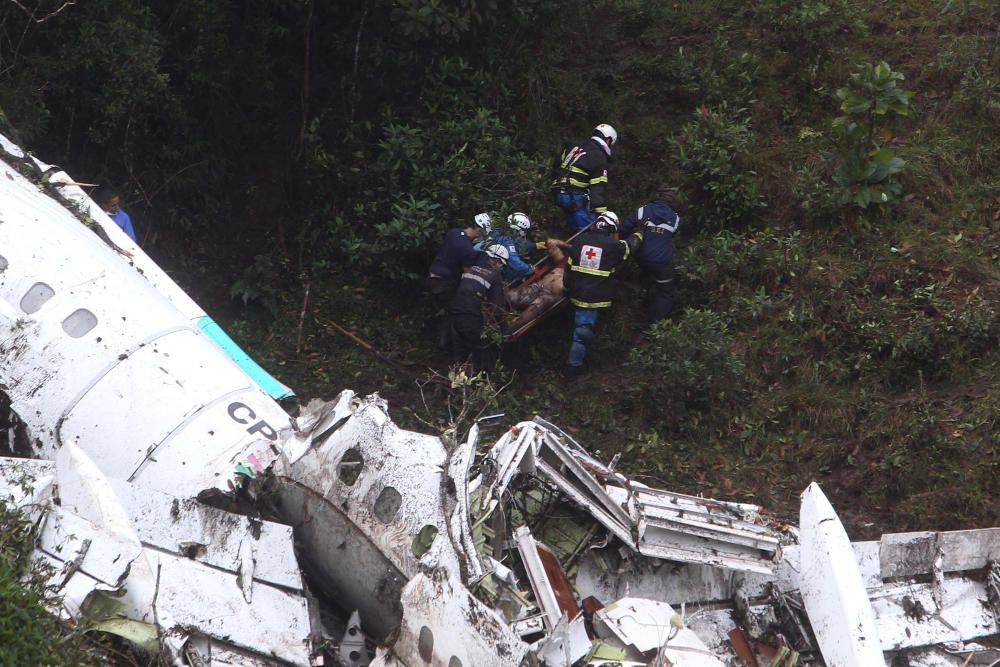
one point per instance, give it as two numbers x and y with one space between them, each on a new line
837 306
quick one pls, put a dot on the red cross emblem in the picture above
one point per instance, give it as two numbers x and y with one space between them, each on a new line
590 253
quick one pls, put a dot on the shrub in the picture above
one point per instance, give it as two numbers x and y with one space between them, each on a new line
872 106
715 151
812 26
719 74
29 635
689 362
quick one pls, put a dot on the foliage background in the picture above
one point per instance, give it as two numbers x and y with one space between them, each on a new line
270 144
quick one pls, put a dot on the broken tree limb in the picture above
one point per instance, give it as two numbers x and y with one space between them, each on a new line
367 346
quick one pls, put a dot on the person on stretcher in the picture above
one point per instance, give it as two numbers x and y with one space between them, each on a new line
535 297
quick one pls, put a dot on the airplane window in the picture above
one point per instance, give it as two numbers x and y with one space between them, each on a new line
387 504
423 540
35 297
425 644
79 322
350 466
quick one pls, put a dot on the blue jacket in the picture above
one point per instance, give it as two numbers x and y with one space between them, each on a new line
456 252
656 223
516 267
122 220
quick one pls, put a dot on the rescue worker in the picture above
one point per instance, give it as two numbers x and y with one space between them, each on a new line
457 252
656 223
479 299
517 243
593 257
580 178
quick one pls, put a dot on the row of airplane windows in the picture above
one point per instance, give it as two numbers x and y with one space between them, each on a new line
77 324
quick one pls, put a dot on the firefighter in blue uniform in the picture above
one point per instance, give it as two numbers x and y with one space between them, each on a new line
517 244
593 257
478 299
580 178
457 252
656 223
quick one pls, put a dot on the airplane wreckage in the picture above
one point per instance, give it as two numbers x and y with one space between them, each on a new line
179 506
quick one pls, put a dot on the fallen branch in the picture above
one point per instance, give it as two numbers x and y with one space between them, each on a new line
367 346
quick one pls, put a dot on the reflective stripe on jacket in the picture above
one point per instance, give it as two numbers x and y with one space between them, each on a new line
584 168
593 258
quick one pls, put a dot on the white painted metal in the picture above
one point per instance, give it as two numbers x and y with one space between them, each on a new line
832 588
544 595
145 393
649 625
567 643
338 523
446 626
144 267
211 536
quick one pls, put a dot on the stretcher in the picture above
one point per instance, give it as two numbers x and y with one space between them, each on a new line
542 268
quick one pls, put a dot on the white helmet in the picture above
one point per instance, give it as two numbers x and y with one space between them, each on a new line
607 221
608 133
497 251
519 222
483 222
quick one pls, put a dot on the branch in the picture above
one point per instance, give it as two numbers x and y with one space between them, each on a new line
31 12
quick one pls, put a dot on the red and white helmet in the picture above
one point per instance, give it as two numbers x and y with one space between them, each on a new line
608 132
607 221
519 222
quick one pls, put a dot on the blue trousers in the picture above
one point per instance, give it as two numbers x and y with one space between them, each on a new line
576 206
584 321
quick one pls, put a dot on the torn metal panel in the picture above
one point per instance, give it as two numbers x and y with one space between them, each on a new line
654 626
89 540
545 594
580 464
605 519
832 588
908 554
908 616
212 536
443 625
513 453
205 600
371 495
459 505
567 643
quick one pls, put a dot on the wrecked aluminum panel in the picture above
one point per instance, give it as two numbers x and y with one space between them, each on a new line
653 522
371 494
93 354
76 201
89 540
446 626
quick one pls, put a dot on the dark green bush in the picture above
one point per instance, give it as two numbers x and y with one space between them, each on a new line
716 153
689 362
29 634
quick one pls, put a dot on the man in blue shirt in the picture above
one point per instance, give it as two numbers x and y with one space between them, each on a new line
656 223
516 242
110 201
